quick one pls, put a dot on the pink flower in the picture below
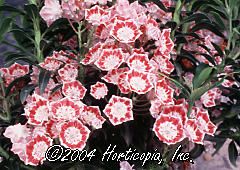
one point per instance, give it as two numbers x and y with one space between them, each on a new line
18 70
193 132
68 73
17 133
73 9
102 2
74 90
96 15
125 31
51 64
156 108
38 113
175 111
102 30
152 29
124 165
113 75
164 92
20 150
123 9
165 44
14 71
38 130
99 90
123 83
169 129
157 13
229 83
164 63
91 115
188 77
139 82
119 110
204 122
74 135
208 98
51 11
110 59
51 128
65 56
65 109
139 62
36 148
92 54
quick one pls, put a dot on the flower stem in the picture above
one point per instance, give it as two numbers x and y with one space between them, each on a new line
37 34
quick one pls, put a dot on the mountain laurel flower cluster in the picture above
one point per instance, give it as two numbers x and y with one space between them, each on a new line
132 49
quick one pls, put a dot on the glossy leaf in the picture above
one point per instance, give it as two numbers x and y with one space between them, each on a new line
157 2
218 49
26 91
15 82
195 17
8 8
196 151
43 79
208 26
232 153
4 27
202 74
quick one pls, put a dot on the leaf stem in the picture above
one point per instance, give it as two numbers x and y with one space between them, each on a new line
177 83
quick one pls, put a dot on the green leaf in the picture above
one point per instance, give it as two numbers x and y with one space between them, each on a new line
157 2
202 74
14 82
171 24
197 93
195 17
218 20
209 58
218 9
44 78
55 89
218 49
209 26
6 24
31 10
26 91
219 142
191 34
177 12
235 110
22 33
56 24
13 57
11 9
232 153
196 151
22 36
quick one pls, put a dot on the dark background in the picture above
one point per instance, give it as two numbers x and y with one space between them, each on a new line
4 48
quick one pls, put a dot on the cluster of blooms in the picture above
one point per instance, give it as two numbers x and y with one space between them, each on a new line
62 113
56 114
172 124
